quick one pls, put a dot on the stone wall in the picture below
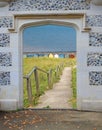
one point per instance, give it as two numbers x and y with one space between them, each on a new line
28 5
10 47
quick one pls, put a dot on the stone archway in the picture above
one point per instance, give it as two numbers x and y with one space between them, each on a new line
18 14
85 100
74 20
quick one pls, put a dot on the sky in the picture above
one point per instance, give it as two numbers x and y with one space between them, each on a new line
49 38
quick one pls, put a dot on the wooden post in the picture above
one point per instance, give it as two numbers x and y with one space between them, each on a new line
36 81
50 78
48 75
29 90
57 71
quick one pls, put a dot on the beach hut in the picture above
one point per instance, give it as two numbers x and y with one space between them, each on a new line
56 56
61 55
51 55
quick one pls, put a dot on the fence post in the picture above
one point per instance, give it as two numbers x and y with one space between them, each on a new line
50 78
29 90
36 80
57 71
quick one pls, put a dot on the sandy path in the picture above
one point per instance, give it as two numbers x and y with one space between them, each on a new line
60 94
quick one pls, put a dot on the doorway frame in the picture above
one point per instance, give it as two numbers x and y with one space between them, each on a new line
75 20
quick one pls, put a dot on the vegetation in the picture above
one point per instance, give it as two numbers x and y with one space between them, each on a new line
74 88
46 64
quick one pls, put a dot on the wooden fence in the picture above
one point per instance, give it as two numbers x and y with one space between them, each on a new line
36 79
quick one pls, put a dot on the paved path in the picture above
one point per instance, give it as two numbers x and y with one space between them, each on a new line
48 119
60 94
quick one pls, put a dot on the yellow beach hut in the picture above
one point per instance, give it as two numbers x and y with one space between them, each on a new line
51 55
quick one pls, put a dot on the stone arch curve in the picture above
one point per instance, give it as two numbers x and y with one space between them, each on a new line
47 22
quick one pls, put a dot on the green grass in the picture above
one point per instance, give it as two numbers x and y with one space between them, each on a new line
74 88
45 64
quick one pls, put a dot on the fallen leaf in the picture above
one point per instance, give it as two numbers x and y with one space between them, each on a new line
25 112
78 127
6 122
94 129
5 117
23 123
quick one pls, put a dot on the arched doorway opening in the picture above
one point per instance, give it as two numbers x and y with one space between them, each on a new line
42 40
76 21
